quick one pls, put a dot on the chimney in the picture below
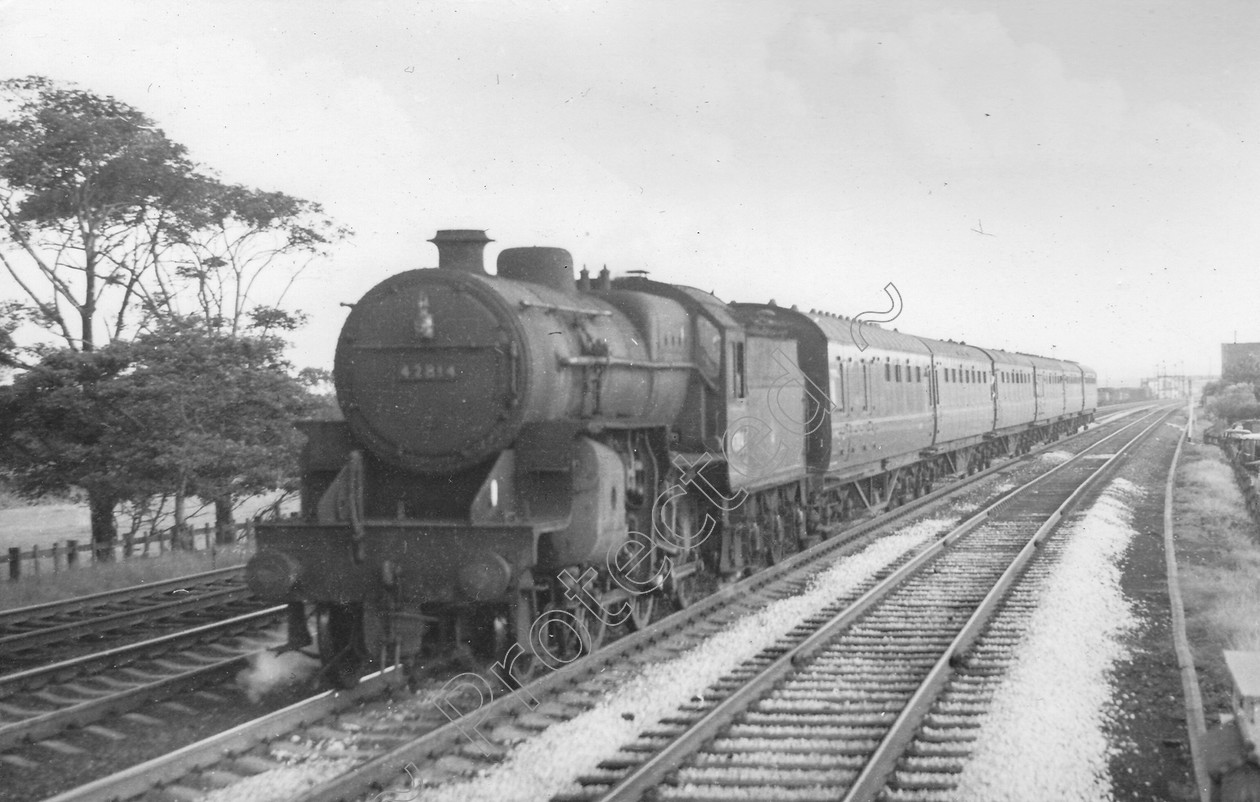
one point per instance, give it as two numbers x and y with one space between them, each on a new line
604 283
460 249
584 280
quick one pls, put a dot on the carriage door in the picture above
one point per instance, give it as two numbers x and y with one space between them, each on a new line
934 397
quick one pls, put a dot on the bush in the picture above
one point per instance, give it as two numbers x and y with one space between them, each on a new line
1234 403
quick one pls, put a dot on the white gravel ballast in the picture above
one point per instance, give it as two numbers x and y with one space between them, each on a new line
1044 737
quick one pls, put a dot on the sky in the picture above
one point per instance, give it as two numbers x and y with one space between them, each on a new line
1076 179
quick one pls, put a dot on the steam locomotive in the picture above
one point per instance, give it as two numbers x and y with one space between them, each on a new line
522 447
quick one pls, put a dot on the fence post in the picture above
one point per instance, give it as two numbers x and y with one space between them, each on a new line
15 563
72 554
56 556
35 560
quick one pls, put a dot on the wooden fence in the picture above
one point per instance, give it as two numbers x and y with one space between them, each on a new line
69 555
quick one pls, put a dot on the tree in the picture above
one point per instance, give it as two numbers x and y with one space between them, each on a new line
1234 403
9 321
243 235
108 228
1211 389
184 409
62 425
218 412
87 185
110 225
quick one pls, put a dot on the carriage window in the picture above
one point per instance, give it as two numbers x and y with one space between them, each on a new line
897 372
918 374
866 386
887 372
738 374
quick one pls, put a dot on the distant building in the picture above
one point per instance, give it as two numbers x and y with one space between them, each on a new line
1240 362
1165 386
1122 395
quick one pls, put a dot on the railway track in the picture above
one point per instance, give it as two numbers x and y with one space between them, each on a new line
830 714
374 748
31 635
41 703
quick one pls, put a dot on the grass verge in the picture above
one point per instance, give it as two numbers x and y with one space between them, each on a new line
112 576
1218 564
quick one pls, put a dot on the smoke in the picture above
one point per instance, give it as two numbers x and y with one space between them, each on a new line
268 671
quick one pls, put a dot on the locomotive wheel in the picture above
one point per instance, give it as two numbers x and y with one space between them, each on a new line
594 626
643 602
641 608
575 637
681 519
776 546
597 629
482 631
519 618
341 649
682 593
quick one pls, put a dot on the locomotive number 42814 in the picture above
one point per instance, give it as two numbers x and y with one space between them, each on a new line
427 371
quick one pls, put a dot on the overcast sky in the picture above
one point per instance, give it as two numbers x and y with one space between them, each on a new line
809 152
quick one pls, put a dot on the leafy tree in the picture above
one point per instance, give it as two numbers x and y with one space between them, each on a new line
107 229
218 411
109 225
87 185
1211 389
242 235
1234 403
319 383
184 409
62 425
9 321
